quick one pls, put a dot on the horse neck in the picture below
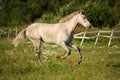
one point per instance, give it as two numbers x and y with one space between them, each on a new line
71 24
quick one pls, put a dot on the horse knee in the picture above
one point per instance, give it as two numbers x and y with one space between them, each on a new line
78 49
69 52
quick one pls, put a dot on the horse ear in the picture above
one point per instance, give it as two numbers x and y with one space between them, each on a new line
82 12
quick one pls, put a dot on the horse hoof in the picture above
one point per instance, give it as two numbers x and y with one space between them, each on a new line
59 57
79 62
40 62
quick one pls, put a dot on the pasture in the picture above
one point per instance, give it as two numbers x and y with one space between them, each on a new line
99 62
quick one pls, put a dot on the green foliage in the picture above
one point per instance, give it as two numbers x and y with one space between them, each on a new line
101 13
20 12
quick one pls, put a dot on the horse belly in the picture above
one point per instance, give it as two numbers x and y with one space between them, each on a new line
48 39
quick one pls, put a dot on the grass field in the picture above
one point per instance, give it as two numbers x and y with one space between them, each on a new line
99 62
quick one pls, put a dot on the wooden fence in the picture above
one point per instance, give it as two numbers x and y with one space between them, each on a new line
83 36
8 33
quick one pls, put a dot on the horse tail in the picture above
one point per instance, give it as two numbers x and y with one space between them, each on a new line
20 36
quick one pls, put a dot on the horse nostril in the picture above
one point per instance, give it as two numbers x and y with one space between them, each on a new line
90 26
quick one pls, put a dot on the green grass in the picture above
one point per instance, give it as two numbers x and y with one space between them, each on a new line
99 62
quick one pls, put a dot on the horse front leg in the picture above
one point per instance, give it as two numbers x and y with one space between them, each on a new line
80 55
63 45
79 52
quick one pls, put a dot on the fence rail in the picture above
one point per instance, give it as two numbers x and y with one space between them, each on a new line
82 35
10 31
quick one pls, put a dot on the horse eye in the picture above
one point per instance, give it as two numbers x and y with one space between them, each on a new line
83 17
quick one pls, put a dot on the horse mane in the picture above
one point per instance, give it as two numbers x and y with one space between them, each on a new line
67 18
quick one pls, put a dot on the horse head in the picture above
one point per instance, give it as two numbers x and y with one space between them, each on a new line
82 19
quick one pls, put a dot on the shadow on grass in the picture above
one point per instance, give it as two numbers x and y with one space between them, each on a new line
114 65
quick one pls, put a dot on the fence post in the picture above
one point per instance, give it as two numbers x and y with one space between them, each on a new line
97 37
16 32
0 34
9 33
83 38
110 38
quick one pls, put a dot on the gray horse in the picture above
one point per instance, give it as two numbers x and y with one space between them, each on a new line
60 34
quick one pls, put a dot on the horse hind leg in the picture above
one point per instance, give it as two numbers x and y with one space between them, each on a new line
36 43
38 54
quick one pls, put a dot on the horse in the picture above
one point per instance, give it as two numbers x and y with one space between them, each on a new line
59 34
